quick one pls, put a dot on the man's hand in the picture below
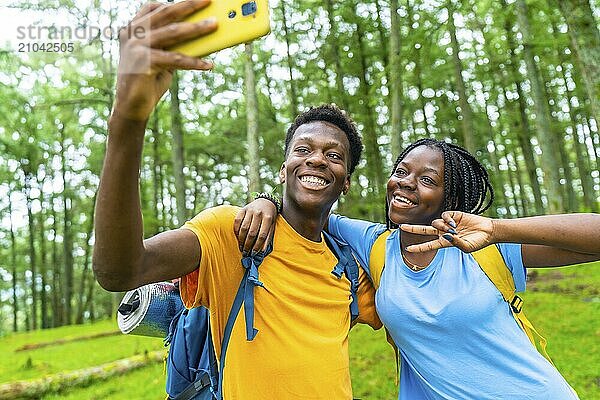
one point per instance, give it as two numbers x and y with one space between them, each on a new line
254 225
468 232
145 67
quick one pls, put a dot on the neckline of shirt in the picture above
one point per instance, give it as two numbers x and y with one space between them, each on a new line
405 268
283 225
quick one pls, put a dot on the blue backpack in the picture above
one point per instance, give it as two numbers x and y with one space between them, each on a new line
192 370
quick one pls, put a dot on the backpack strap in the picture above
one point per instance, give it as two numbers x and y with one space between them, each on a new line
376 266
245 294
493 265
249 282
346 266
377 258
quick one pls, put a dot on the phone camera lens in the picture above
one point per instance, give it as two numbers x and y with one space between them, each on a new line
232 14
249 8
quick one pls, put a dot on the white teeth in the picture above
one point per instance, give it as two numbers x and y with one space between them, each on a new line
404 200
314 180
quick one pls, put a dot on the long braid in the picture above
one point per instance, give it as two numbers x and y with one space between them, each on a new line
467 185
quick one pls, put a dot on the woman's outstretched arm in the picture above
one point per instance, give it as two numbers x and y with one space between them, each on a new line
548 240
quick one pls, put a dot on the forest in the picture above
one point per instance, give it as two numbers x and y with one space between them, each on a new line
516 82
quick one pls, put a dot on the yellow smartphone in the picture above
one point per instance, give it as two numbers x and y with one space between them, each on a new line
239 21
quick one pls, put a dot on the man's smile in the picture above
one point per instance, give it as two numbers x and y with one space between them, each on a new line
313 181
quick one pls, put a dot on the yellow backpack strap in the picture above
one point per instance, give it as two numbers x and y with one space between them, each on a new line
376 266
377 258
491 262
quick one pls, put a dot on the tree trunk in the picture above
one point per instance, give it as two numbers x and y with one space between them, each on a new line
469 139
45 321
372 150
522 202
57 305
177 150
85 272
395 84
67 239
61 341
585 37
522 127
579 146
340 99
549 150
567 189
13 260
579 149
388 72
511 181
290 62
594 140
89 299
382 34
156 173
328 93
496 176
418 72
251 122
32 252
581 153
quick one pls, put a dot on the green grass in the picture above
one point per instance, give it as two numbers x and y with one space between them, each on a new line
563 304
69 356
144 384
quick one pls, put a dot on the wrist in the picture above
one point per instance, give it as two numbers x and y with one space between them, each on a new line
499 231
118 115
273 198
119 123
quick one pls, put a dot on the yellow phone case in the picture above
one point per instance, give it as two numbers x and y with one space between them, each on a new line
239 21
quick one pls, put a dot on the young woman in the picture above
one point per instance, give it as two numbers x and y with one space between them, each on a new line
455 333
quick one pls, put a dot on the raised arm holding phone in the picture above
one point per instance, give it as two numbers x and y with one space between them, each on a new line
122 260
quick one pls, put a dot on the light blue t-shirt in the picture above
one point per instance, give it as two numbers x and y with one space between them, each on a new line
456 335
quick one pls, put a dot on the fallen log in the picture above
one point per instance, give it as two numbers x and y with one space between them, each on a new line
33 346
36 388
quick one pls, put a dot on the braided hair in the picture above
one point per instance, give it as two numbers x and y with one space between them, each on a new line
467 185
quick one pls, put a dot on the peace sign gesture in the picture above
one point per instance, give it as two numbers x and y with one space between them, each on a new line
468 232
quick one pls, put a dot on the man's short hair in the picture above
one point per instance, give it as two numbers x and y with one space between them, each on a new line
334 115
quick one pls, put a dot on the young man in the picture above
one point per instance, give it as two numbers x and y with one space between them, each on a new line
302 312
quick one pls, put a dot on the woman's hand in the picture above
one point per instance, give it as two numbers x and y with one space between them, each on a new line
468 232
254 225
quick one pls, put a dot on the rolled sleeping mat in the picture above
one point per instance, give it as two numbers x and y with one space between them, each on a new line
148 310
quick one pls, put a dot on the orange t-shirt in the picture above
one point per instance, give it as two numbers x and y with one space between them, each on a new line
302 313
